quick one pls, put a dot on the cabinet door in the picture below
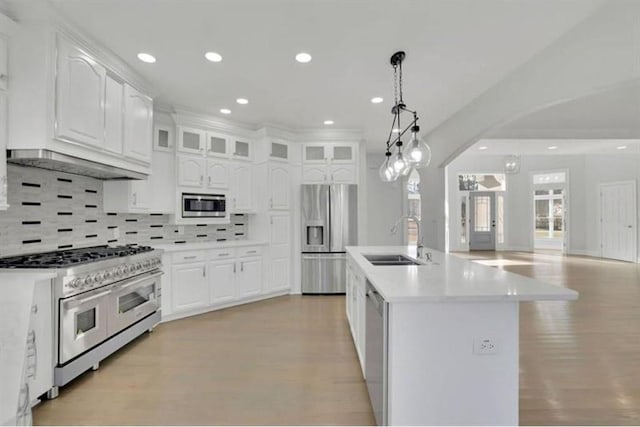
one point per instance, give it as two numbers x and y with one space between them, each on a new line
140 194
189 286
241 149
315 153
217 174
342 174
249 276
114 115
138 125
191 140
341 153
279 151
280 245
222 275
80 90
241 188
40 341
191 171
3 152
163 138
279 187
217 145
314 174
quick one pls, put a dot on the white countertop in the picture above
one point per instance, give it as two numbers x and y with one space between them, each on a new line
174 247
450 279
16 299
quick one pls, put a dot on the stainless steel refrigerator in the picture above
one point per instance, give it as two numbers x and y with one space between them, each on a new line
329 224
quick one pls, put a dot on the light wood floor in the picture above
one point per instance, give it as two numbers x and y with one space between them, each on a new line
290 360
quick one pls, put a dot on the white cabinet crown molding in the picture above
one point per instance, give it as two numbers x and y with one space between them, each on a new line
184 117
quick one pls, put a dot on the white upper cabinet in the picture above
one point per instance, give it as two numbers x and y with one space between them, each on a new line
114 115
279 151
217 174
217 145
191 140
315 153
138 125
241 148
163 139
80 96
330 162
315 174
342 174
191 171
241 188
279 187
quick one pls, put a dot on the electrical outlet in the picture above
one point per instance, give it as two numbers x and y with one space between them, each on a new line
181 230
116 233
485 346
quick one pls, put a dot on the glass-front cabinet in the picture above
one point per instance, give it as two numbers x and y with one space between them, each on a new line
217 144
191 140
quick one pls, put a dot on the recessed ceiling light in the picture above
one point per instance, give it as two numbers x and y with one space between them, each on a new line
303 57
242 101
328 122
621 147
376 100
146 57
552 147
213 56
225 111
484 147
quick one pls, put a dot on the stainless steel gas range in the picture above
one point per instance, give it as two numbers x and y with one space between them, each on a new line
104 297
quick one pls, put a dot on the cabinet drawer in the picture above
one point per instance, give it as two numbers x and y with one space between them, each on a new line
188 256
221 254
249 251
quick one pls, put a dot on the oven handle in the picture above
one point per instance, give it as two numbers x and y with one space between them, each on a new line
150 275
76 301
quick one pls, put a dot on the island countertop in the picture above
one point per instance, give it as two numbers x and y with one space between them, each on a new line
450 278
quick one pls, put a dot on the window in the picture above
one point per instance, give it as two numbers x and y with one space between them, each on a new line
476 182
413 206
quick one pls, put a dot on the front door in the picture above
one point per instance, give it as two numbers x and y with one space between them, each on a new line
482 221
618 210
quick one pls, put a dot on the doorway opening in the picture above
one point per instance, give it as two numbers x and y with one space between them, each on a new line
481 211
550 212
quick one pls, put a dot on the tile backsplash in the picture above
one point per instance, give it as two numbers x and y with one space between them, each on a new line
54 210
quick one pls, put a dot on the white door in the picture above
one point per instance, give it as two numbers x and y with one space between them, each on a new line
241 188
222 276
619 217
138 125
249 276
191 171
80 89
482 217
279 243
279 187
114 116
217 174
190 287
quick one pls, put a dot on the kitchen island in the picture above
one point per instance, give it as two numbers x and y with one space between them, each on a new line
438 341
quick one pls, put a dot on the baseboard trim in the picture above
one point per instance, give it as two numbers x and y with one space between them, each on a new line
220 306
584 252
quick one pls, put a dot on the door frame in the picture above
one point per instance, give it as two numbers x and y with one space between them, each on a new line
634 185
566 186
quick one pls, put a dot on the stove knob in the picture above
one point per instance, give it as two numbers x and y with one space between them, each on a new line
75 283
99 277
138 266
107 274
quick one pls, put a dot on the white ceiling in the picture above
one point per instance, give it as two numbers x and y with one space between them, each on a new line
539 146
456 49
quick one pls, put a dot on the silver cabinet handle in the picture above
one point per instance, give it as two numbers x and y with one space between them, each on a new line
224 254
242 266
209 180
234 268
204 271
252 252
34 308
190 257
271 202
135 199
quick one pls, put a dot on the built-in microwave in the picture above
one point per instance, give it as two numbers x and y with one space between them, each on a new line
195 205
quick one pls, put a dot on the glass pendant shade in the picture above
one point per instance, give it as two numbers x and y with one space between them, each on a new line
418 152
386 172
400 164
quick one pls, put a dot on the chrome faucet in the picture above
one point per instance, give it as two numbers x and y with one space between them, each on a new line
422 254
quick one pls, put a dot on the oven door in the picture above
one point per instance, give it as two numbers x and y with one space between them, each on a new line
83 323
133 300
204 205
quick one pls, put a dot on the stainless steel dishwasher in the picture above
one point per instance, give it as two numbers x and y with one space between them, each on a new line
376 353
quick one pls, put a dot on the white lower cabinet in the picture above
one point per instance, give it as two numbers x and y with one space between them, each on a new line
203 280
249 276
190 288
222 277
356 296
39 366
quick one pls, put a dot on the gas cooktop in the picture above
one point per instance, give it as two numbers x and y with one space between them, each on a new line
70 257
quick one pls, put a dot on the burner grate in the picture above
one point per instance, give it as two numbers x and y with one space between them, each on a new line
66 258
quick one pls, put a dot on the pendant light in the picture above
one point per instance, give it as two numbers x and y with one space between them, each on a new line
418 153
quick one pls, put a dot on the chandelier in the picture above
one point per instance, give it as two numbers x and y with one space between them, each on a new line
417 153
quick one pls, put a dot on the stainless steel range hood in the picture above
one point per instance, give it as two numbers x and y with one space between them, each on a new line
47 159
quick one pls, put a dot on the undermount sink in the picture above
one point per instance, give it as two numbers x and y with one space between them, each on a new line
390 260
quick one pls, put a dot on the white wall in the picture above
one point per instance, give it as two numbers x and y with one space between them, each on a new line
586 172
384 205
